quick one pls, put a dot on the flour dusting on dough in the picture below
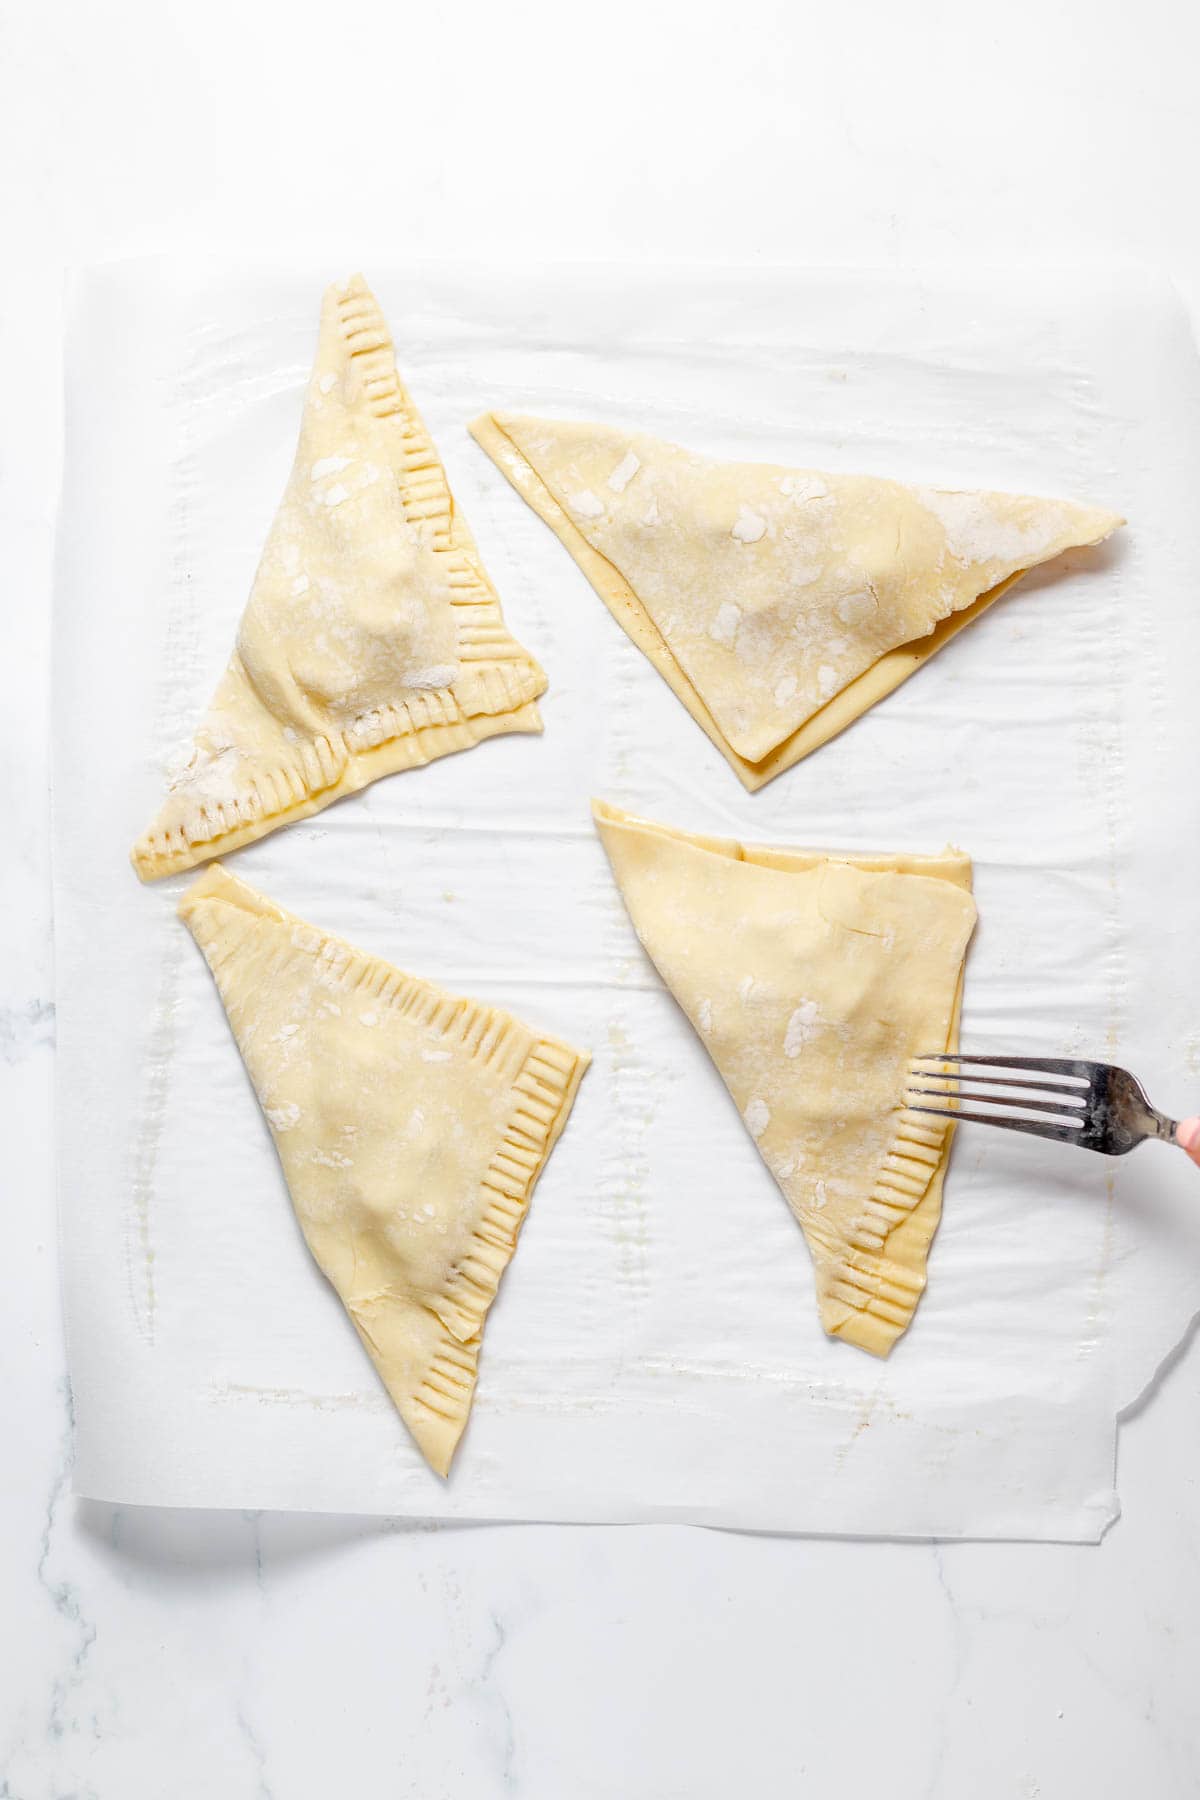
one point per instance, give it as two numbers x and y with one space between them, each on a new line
802 1027
856 609
724 627
977 530
211 777
624 472
749 526
757 1116
803 487
585 504
328 465
440 676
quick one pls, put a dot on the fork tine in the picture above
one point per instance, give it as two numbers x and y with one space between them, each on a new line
1049 1065
1041 1087
1064 1134
1061 1108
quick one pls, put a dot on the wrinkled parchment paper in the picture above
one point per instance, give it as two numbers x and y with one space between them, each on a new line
654 1352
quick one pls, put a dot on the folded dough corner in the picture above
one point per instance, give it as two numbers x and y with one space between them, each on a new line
812 979
411 1126
778 604
372 640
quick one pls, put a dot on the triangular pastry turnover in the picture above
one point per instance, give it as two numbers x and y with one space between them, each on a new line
811 980
779 604
372 640
411 1127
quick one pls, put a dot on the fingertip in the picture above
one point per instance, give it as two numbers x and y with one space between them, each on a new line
1187 1135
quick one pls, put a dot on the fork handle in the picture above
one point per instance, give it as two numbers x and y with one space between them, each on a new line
1187 1136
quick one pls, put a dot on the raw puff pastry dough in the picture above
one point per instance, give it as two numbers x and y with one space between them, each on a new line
812 979
411 1127
372 640
779 604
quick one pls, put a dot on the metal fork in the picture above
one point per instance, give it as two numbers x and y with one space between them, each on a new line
1095 1105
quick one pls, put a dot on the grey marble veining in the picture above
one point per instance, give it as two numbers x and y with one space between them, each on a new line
26 1028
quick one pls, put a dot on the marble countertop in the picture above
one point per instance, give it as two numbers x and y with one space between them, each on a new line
270 1657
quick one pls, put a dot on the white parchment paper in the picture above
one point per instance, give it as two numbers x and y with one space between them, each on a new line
654 1352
